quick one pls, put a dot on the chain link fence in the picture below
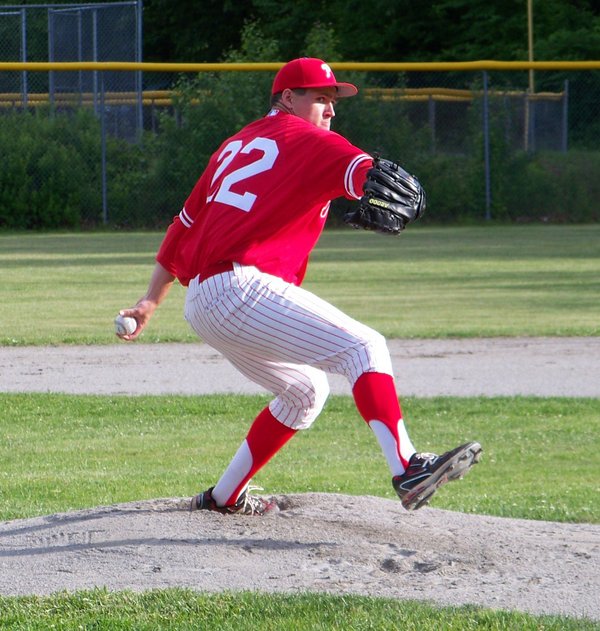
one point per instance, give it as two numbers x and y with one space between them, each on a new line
123 144
74 33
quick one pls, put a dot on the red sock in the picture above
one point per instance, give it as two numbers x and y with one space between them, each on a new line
375 396
266 437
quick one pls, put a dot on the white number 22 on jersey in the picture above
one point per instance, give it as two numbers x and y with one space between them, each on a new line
224 194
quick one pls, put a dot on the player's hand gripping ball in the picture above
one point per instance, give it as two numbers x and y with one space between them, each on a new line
124 325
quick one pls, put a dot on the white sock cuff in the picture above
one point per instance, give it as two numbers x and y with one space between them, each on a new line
238 469
391 449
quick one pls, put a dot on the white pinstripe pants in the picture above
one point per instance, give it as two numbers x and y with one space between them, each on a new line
283 338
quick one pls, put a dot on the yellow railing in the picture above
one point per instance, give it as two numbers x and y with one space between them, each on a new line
451 94
164 98
45 66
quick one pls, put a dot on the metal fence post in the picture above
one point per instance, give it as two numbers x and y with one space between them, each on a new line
95 58
24 88
51 55
138 77
565 118
80 54
103 150
486 148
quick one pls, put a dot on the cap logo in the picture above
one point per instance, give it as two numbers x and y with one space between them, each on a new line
327 70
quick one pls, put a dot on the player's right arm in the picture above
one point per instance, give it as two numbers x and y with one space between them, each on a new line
159 286
168 248
165 268
161 281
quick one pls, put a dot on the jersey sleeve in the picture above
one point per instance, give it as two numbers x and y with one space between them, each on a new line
357 176
167 252
168 248
340 165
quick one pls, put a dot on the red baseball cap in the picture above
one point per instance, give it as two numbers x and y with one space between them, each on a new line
308 72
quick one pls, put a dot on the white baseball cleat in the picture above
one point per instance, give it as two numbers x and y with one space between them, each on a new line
246 504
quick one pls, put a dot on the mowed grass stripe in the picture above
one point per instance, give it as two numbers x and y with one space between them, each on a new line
60 452
428 282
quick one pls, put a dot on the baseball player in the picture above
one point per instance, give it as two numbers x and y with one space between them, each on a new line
241 245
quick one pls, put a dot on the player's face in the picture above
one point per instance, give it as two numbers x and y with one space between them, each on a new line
316 106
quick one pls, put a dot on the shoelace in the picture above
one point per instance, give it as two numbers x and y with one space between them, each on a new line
251 504
427 458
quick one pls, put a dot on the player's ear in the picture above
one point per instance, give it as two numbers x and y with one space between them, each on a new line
286 97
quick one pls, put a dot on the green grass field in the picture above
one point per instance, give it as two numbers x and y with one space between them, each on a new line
63 452
429 282
99 610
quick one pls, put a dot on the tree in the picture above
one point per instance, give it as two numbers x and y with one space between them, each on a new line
189 31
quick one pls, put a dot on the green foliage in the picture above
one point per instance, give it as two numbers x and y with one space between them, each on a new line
548 187
51 175
452 184
192 31
49 166
553 187
379 125
441 30
322 42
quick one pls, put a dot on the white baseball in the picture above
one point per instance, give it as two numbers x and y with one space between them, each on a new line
124 325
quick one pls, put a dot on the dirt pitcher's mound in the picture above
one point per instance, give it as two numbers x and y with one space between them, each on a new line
317 542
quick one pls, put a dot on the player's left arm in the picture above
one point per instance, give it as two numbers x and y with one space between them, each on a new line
392 199
357 176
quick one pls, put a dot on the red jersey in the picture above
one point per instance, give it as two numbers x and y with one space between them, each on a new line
263 199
